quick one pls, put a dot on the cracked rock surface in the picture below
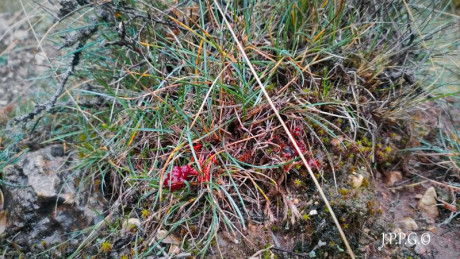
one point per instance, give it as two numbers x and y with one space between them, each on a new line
44 202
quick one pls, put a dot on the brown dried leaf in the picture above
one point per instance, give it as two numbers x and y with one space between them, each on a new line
168 239
2 221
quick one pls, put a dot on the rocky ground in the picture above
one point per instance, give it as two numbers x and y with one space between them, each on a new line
416 199
47 203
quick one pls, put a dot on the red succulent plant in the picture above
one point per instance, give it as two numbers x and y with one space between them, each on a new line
175 180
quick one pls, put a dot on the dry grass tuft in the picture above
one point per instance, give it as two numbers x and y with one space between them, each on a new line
176 124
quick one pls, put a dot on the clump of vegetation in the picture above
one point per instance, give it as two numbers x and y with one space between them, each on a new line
170 123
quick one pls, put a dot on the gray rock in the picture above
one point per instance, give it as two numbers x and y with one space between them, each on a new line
412 240
420 249
428 205
42 201
408 224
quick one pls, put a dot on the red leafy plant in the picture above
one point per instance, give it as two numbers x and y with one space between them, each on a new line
175 180
288 151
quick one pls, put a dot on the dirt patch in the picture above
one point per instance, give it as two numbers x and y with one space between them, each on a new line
401 204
